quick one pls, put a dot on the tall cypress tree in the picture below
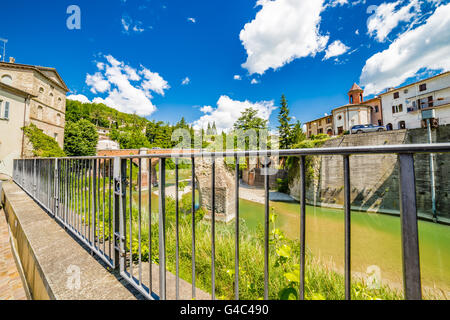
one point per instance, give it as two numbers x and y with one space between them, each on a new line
285 127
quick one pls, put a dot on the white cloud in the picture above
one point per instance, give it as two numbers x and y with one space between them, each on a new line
425 47
153 82
357 32
97 83
282 31
206 109
125 90
254 81
386 18
192 20
186 81
78 97
335 49
335 3
125 24
229 110
237 77
128 25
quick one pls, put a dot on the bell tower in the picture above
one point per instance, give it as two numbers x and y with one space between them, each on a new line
355 95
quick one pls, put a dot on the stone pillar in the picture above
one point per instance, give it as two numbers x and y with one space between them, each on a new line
225 196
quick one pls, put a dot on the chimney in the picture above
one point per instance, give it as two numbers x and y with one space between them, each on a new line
12 60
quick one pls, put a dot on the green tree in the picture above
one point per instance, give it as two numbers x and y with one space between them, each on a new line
249 120
297 133
80 138
285 128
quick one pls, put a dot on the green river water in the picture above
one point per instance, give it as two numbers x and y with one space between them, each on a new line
376 241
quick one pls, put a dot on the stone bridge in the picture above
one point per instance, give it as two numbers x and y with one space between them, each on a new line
225 185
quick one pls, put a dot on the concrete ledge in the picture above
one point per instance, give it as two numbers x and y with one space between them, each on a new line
47 253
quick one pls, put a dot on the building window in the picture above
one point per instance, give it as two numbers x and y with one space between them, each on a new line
380 123
351 99
376 109
339 117
52 99
430 101
55 136
58 119
396 95
41 90
423 87
405 91
6 111
328 120
40 112
397 109
6 79
320 131
389 127
402 125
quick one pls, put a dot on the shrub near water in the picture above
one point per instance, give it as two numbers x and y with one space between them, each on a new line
320 281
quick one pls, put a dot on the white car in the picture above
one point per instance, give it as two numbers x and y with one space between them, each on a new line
366 128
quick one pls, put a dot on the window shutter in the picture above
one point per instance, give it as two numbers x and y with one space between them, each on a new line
6 110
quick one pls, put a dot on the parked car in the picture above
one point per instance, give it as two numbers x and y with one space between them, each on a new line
366 128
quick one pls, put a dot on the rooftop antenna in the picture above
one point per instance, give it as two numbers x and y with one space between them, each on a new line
5 41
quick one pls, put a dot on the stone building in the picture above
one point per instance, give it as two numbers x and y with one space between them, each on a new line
35 95
357 111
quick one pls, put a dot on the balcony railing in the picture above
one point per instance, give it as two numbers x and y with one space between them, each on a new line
428 104
88 196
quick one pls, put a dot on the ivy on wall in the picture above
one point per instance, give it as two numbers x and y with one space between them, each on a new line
43 145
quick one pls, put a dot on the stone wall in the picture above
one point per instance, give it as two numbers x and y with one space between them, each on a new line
374 178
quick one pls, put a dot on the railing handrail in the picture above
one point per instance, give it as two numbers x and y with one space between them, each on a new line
377 149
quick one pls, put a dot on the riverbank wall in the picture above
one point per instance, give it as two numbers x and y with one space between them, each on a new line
375 178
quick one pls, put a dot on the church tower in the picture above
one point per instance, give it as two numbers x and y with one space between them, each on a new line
355 94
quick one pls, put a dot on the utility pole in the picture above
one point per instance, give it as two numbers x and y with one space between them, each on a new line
428 115
5 41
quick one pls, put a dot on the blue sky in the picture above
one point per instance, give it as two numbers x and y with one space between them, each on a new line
134 55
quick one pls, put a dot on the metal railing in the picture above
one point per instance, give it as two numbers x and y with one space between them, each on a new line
93 198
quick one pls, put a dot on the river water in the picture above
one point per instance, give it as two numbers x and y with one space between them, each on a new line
376 241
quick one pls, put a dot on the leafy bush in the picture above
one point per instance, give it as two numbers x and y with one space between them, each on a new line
283 185
43 145
80 138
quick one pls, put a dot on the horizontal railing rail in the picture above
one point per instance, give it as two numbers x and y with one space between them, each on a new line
95 199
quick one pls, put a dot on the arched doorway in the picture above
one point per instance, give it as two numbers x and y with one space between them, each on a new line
330 132
389 127
401 125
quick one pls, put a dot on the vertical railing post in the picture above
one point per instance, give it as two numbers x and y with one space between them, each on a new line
118 243
56 187
162 228
410 237
347 213
266 165
34 179
302 226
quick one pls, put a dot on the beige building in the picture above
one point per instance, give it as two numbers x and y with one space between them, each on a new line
30 94
323 125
